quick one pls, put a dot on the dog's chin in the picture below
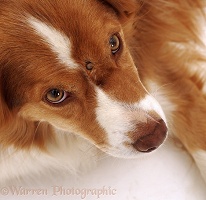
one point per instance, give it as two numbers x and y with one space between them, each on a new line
128 152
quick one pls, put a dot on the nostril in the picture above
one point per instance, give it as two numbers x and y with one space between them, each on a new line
150 150
152 136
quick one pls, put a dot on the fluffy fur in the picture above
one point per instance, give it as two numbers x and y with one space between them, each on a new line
49 45
173 38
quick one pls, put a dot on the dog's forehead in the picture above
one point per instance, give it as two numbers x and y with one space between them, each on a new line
76 33
57 41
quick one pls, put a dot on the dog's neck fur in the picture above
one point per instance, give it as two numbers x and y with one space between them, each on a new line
68 153
168 50
175 64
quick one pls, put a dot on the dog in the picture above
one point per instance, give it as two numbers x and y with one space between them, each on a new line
78 77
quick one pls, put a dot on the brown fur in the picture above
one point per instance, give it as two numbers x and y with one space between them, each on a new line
26 56
152 30
157 24
162 23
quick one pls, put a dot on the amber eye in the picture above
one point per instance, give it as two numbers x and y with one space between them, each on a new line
56 96
114 43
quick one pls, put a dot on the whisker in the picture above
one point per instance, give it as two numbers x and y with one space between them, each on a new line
162 86
34 134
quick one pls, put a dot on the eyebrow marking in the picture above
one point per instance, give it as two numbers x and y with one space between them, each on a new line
57 41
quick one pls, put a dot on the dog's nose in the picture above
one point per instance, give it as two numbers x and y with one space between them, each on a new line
153 133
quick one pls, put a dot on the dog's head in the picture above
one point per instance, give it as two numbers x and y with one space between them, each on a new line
67 63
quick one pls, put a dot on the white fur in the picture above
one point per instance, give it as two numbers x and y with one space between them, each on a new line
63 155
162 95
111 116
57 41
150 104
119 118
200 158
196 66
201 65
202 26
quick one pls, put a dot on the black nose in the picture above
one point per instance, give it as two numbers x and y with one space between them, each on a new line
153 134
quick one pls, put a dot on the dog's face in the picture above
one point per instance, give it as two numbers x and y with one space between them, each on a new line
67 64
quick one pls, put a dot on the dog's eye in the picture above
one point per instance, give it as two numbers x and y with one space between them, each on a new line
89 66
114 43
56 96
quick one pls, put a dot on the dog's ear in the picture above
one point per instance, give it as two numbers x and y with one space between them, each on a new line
125 9
14 129
6 117
5 111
